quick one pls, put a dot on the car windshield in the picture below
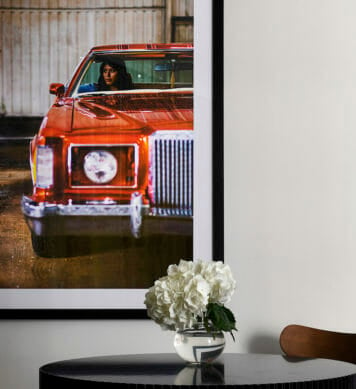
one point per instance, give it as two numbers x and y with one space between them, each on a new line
107 73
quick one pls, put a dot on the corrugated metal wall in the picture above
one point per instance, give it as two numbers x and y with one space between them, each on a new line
182 8
41 41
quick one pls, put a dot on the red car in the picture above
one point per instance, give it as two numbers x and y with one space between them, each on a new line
114 154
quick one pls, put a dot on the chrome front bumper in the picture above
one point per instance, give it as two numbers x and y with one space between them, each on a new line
66 218
100 219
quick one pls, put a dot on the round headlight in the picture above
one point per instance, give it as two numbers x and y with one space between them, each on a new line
100 166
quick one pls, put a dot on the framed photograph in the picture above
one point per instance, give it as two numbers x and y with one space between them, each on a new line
96 193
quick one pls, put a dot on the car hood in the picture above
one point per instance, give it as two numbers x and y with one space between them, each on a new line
131 111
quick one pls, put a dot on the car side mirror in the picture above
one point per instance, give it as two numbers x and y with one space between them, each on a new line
56 89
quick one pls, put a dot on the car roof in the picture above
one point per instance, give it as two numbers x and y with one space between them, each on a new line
142 46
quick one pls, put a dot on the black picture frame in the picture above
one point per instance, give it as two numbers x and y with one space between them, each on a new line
217 169
218 130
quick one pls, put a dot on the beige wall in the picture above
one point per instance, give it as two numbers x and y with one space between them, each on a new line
42 41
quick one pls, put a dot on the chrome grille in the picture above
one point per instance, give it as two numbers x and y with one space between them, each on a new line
171 173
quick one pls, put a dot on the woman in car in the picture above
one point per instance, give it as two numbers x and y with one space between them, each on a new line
113 77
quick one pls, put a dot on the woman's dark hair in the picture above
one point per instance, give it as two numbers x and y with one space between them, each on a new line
124 80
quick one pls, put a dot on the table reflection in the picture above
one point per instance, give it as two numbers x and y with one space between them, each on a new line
194 374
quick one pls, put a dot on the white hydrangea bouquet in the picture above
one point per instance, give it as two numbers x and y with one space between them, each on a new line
193 294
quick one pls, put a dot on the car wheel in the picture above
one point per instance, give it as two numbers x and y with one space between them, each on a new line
49 246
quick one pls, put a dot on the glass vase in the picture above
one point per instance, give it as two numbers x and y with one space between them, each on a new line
198 345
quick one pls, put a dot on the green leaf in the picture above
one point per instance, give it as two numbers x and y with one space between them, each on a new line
219 318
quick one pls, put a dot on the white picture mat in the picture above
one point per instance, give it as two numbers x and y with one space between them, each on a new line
202 235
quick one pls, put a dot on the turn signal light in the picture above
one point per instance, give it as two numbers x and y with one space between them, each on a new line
44 167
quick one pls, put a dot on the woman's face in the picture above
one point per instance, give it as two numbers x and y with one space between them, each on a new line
110 75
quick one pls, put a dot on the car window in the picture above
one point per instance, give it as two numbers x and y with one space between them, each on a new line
144 71
92 73
159 71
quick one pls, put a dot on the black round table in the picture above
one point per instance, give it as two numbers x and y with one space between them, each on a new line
169 371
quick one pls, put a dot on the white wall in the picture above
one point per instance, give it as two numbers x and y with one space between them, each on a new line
290 173
291 164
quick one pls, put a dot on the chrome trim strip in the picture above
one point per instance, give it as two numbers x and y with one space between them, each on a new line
171 212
